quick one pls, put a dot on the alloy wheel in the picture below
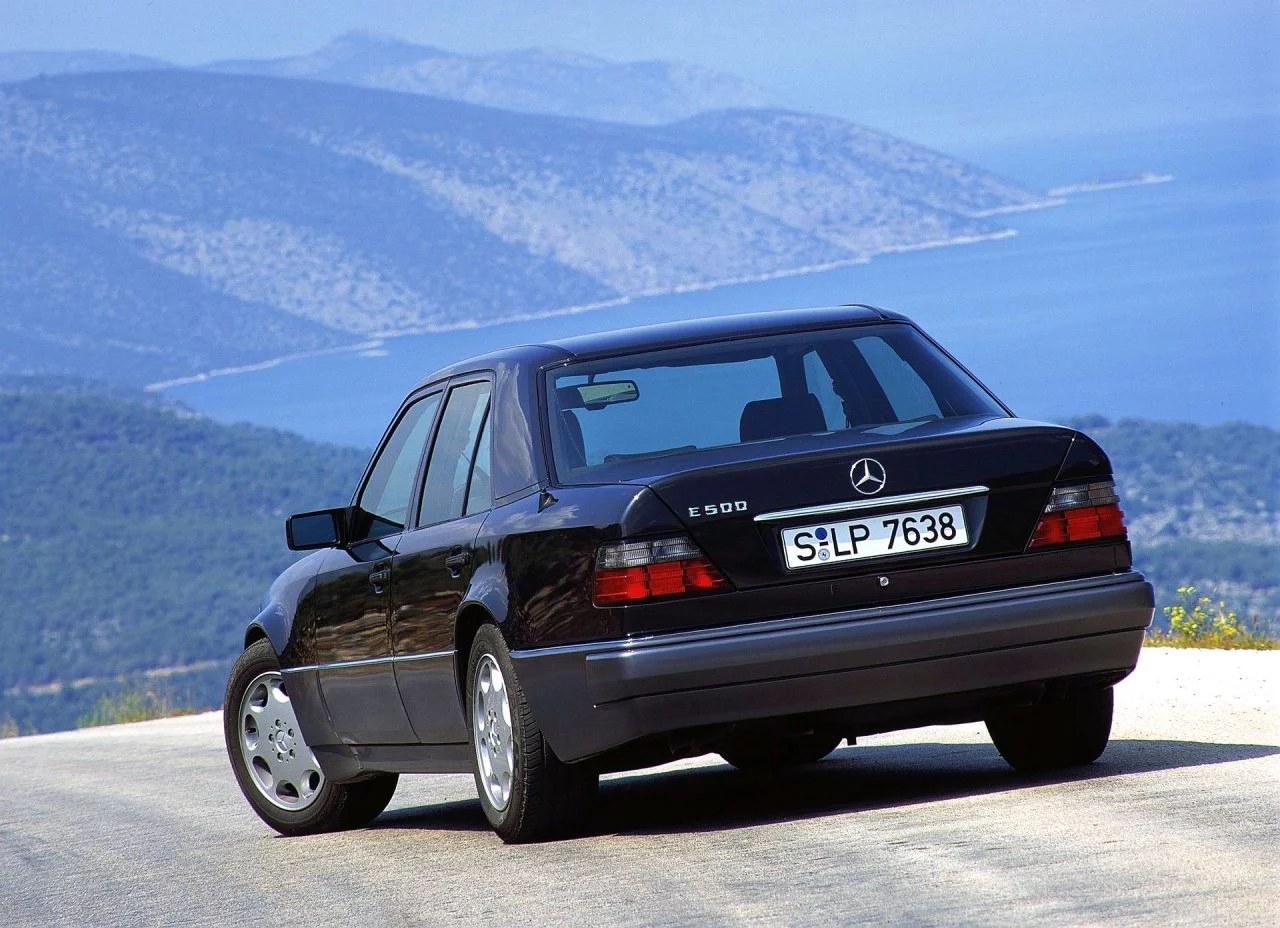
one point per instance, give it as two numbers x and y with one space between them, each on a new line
280 763
492 733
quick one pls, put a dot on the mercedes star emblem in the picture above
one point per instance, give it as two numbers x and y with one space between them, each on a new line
867 475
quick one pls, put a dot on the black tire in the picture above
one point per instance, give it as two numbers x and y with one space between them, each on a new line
763 754
335 806
548 798
1067 732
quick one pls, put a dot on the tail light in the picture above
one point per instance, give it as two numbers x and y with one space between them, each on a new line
1082 512
631 571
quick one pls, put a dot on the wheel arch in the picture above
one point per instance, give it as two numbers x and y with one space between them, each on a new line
271 623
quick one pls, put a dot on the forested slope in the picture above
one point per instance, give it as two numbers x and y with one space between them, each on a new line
137 537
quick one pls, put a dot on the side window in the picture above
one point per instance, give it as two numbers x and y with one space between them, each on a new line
480 491
907 392
386 493
444 494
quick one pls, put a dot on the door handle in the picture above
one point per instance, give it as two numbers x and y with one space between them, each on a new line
456 561
378 578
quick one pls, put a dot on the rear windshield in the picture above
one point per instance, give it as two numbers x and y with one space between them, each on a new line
883 379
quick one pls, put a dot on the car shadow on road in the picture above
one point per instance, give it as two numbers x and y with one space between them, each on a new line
868 777
853 779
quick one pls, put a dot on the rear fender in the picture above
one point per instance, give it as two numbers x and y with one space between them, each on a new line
546 544
1085 460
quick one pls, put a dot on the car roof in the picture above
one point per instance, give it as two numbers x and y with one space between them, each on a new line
717 328
671 335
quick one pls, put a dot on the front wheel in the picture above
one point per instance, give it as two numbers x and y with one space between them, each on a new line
1067 732
527 793
273 764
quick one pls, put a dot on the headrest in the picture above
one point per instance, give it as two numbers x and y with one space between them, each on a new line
778 418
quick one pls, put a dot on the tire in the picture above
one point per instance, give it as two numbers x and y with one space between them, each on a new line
1068 732
763 754
527 793
275 768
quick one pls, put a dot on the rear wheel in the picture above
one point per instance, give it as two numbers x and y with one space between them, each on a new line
1067 732
759 754
273 764
527 793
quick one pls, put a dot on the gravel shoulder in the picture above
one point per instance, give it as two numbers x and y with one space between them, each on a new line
1177 824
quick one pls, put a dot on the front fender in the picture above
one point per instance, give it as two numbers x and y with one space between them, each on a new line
273 624
277 619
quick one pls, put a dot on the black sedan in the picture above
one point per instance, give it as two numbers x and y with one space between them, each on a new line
756 535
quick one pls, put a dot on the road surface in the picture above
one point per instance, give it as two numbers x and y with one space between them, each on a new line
1179 823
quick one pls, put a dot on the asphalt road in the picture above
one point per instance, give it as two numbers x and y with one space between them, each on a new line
1179 823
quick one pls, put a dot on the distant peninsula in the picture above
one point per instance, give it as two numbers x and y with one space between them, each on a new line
1096 186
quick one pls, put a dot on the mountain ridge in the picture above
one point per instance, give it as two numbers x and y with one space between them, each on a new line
172 222
529 80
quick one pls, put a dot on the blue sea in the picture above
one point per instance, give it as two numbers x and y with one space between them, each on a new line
1159 301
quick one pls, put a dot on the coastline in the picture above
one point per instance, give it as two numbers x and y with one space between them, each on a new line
259 365
1142 180
375 341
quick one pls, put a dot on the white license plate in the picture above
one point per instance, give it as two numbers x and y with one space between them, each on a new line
874 536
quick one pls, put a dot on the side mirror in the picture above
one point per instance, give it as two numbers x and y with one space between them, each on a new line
310 530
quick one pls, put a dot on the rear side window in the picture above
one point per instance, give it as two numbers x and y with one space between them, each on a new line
444 493
881 379
480 490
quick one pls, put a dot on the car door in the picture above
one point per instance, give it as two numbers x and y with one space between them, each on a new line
434 562
352 596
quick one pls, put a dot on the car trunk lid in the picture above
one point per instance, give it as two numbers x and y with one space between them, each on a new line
990 475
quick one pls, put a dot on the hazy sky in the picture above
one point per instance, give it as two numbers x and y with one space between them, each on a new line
938 71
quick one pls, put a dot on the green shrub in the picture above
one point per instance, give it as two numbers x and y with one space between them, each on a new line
8 726
1198 622
131 704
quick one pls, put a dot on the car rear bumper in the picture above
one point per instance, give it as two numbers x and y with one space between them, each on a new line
592 697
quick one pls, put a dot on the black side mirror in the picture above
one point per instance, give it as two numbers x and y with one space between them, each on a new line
307 531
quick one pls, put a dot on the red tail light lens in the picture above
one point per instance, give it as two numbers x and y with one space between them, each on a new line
632 571
1082 512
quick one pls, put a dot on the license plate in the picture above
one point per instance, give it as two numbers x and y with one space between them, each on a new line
874 536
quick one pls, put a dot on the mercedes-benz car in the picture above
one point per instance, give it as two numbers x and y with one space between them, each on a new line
758 536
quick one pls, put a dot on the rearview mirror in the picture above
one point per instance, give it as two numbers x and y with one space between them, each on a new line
598 395
310 530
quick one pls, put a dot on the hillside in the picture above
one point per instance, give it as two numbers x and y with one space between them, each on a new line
530 80
1203 506
162 223
137 537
